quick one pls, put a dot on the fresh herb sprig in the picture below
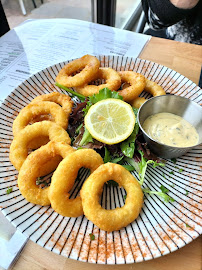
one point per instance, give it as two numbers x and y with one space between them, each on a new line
92 236
142 165
104 93
163 193
128 146
9 190
73 93
86 138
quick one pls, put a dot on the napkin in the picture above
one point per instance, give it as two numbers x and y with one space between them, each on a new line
12 242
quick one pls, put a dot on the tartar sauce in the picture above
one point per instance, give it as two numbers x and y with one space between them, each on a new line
171 129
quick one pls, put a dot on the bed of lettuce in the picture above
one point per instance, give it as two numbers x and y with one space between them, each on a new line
133 153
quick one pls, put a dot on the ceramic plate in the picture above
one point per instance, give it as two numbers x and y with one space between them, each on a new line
161 228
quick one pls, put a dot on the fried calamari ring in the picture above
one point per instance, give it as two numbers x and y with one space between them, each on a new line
137 102
30 171
154 89
112 81
20 144
151 87
115 219
136 83
63 180
89 65
26 115
61 99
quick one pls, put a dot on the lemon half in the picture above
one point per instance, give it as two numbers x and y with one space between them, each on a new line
110 120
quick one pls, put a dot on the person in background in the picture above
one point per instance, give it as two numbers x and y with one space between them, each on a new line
179 20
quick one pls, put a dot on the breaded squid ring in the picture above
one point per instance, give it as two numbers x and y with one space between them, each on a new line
89 65
137 102
114 219
26 115
61 99
30 171
154 89
19 146
136 83
64 177
151 87
112 78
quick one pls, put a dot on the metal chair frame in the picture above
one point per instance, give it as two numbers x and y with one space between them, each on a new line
22 6
104 12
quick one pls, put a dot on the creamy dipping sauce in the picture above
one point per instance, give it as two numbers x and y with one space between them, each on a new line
171 129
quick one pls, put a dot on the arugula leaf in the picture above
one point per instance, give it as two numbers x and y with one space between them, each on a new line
92 236
187 225
163 189
128 146
107 156
116 160
129 168
163 195
141 166
166 197
133 163
87 137
9 190
78 128
81 97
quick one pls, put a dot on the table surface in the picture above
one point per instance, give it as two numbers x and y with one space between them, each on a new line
185 59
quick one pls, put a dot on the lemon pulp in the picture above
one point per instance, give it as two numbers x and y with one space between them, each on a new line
110 121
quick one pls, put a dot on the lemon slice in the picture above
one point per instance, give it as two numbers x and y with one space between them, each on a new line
110 120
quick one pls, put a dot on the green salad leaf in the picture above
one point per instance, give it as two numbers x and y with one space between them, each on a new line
73 93
128 146
141 166
104 93
87 137
163 195
9 190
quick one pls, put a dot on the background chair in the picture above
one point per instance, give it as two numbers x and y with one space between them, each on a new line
104 12
23 7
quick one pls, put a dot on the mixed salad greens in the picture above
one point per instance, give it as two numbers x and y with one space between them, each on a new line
133 153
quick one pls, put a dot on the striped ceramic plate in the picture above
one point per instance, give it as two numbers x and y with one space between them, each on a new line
161 227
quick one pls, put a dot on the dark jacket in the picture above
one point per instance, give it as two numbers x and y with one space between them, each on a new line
182 24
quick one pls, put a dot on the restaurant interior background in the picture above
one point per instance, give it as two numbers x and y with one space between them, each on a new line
73 9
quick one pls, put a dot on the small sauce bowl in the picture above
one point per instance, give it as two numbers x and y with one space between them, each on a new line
184 107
